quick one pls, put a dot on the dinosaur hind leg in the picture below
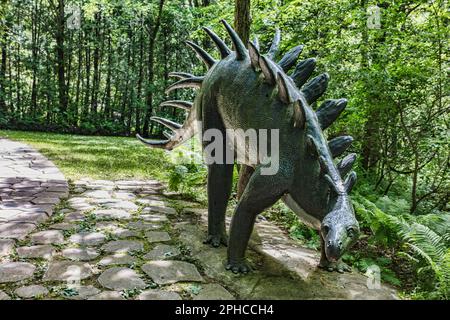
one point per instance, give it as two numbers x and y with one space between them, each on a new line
220 175
220 178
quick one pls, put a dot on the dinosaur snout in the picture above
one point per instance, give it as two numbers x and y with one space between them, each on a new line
333 249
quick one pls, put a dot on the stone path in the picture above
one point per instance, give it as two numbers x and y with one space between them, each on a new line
120 240
30 188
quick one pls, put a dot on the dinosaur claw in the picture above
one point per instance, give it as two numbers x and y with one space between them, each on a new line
216 240
338 266
238 267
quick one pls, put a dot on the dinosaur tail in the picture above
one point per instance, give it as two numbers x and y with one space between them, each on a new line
179 133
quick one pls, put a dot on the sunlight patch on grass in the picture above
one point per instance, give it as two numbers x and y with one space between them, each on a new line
111 158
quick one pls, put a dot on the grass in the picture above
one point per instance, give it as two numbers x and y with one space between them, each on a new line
110 158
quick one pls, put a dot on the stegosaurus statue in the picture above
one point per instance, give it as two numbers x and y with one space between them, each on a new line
247 90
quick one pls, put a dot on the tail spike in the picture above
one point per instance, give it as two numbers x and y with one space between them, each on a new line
202 54
266 68
339 145
329 111
167 123
181 75
195 82
290 58
224 50
346 164
303 71
254 56
275 44
283 90
167 135
239 47
185 105
315 88
162 144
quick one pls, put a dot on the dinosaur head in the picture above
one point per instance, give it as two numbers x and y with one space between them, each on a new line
339 229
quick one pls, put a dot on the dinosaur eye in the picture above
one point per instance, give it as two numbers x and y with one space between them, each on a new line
325 229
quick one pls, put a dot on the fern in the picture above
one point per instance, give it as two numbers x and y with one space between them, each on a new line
426 239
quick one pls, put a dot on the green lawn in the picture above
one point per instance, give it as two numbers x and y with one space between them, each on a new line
110 158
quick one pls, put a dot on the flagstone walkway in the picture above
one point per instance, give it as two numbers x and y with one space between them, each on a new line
134 240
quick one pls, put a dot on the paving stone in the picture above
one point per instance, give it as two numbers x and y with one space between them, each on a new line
122 233
120 278
106 225
16 230
118 259
143 226
65 226
88 238
120 246
80 254
158 295
8 214
41 200
32 291
67 271
112 214
6 247
157 236
125 205
153 218
161 252
15 271
124 195
151 202
83 292
97 194
170 271
31 217
47 237
4 296
213 291
34 252
107 295
165 210
74 217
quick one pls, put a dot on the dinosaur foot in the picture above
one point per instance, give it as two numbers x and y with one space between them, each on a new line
338 266
216 240
238 267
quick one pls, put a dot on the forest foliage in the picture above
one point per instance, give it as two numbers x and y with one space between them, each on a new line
106 75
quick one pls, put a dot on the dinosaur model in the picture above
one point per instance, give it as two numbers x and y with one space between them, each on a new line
246 90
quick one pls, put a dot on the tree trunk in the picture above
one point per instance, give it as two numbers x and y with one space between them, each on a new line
151 72
3 77
96 62
242 19
242 23
61 62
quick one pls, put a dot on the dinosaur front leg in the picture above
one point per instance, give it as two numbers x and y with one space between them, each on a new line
261 192
328 265
220 177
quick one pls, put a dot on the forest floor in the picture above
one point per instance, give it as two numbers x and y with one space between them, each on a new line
112 237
